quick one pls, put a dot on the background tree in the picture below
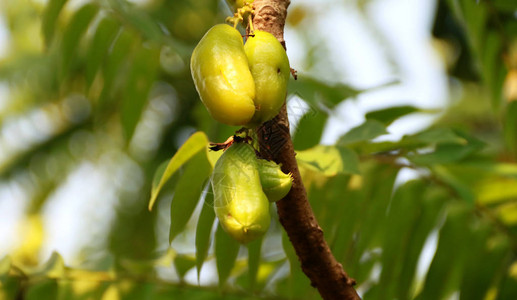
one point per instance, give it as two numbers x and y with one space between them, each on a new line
99 94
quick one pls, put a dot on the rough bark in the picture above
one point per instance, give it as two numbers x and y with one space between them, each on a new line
294 211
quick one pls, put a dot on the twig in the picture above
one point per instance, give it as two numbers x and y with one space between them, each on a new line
294 211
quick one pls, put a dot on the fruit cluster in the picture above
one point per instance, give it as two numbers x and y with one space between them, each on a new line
246 85
240 84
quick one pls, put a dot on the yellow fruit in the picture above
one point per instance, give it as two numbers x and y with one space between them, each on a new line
239 202
270 69
222 77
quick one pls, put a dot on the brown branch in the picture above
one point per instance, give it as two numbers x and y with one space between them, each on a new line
294 211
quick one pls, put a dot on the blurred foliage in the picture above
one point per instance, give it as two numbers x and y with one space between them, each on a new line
107 84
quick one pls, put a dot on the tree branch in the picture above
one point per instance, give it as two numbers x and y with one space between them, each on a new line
294 211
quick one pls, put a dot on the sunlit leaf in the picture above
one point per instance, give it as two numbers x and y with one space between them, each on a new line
53 268
188 192
496 190
5 265
226 250
197 142
329 160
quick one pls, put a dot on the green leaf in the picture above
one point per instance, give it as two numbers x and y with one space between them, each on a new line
49 19
434 136
53 268
445 271
139 20
510 127
42 290
362 133
197 142
298 285
105 34
478 276
508 6
329 160
204 229
494 71
402 216
73 34
183 263
456 182
114 70
139 82
188 192
317 92
424 139
429 213
448 152
388 115
376 191
254 257
226 251
309 130
5 265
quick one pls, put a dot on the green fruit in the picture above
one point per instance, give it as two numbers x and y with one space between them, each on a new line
239 202
270 69
222 77
275 183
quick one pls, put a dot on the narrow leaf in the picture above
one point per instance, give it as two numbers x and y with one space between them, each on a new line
388 115
309 130
362 133
49 19
510 127
114 70
197 142
188 192
254 256
329 160
183 263
445 270
105 34
226 251
139 82
204 229
317 92
73 34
